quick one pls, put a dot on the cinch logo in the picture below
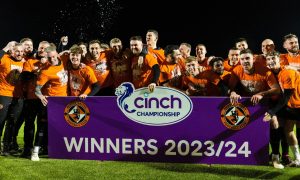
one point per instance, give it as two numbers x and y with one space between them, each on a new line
164 106
235 116
77 114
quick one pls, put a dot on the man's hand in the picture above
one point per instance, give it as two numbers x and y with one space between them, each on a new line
151 87
43 99
234 98
256 98
82 96
9 46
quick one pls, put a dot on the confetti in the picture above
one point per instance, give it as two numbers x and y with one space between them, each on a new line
84 20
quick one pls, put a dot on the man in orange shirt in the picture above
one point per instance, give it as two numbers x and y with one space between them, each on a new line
201 57
185 50
101 68
170 71
120 62
216 77
10 95
32 105
53 80
255 81
288 105
192 83
151 40
233 59
292 58
28 48
82 80
145 69
266 46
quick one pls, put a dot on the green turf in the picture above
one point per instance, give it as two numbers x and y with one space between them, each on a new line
13 167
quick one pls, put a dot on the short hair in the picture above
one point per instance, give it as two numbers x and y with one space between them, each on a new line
233 49
53 45
289 36
241 39
215 59
114 40
82 43
44 42
136 38
187 45
25 39
51 48
201 45
246 51
154 32
104 46
190 59
169 49
273 53
18 44
95 41
75 49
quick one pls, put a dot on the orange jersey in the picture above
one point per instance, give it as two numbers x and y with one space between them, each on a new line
142 74
286 59
158 53
225 77
261 80
195 85
34 66
204 64
168 71
9 75
101 69
211 86
120 67
228 67
289 79
81 80
56 78
181 64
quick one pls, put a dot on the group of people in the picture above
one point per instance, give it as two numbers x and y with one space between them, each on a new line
28 77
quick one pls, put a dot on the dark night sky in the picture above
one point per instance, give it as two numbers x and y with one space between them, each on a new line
214 24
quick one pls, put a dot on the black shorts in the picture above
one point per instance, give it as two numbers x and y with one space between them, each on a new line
289 113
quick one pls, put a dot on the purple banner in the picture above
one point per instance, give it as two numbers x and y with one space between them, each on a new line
208 130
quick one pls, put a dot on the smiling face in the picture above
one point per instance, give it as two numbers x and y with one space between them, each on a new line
28 46
273 62
75 59
18 52
53 57
95 50
136 47
234 57
242 45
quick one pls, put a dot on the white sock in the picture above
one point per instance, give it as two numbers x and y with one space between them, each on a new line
36 149
295 150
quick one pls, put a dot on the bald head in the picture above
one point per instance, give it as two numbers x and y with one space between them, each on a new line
267 46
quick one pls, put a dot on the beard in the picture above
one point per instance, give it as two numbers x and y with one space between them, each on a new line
294 50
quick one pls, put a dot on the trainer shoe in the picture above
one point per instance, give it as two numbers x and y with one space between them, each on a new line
35 157
295 163
276 162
